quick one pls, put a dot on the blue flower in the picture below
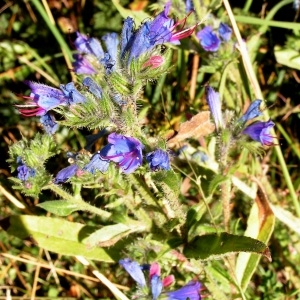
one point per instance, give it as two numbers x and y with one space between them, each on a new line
126 151
93 87
97 163
49 124
134 270
24 172
151 33
225 32
252 112
66 173
158 159
156 286
189 291
111 41
88 45
189 5
260 132
214 103
126 35
208 39
82 66
72 94
42 99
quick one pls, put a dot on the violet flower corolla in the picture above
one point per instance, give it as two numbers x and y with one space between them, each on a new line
49 123
225 32
208 39
97 163
158 159
82 66
190 291
88 45
44 98
41 99
214 103
151 33
24 172
252 112
93 87
72 94
134 270
260 132
66 173
123 150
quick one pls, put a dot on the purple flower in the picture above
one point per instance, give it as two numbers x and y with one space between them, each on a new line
208 39
252 112
225 32
41 99
189 291
151 33
134 270
82 66
97 163
72 94
260 132
156 286
24 172
49 124
111 42
66 173
189 5
126 35
93 87
88 45
126 151
158 159
214 103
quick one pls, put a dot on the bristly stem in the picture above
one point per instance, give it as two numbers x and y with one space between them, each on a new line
226 185
84 206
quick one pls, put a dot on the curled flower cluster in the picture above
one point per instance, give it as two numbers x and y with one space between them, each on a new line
24 172
156 284
258 131
125 151
211 40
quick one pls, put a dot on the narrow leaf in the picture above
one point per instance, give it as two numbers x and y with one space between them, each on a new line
60 208
109 235
217 245
260 225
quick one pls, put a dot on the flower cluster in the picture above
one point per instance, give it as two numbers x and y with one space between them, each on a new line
24 172
125 151
189 291
258 131
133 43
210 40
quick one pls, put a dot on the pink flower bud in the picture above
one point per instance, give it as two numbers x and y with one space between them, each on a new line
154 61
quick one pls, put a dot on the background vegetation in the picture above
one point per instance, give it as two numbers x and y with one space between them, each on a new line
35 44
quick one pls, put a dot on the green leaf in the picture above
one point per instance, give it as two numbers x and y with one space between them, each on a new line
60 236
217 245
60 208
109 235
287 57
260 225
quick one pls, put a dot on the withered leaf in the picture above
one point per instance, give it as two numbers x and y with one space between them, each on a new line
198 125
